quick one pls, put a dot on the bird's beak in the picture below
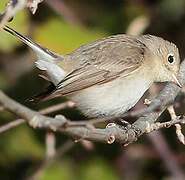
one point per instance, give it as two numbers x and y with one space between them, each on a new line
176 81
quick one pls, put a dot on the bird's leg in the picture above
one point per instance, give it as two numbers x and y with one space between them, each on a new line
122 123
125 123
119 122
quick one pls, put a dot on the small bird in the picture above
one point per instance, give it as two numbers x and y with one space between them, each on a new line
106 77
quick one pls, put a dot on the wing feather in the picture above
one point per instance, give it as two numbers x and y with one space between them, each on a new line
109 59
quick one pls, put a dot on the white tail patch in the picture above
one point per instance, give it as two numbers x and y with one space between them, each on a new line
55 73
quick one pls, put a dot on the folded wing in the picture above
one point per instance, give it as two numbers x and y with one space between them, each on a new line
106 63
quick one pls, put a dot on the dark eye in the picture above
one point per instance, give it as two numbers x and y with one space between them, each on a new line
171 59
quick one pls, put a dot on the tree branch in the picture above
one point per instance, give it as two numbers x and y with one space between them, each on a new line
16 5
111 133
28 114
48 110
11 125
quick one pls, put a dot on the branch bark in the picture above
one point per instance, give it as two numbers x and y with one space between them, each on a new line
85 130
15 6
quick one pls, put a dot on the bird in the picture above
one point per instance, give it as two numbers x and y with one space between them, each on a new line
109 76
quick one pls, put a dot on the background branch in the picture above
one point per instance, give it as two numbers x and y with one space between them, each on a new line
15 6
46 163
108 135
63 25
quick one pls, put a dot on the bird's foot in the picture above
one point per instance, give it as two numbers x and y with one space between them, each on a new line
122 123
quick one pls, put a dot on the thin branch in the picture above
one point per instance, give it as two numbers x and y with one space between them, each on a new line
155 107
15 6
166 155
11 125
1 108
50 144
48 110
87 131
45 164
158 125
28 114
12 8
33 5
57 107
63 10
179 133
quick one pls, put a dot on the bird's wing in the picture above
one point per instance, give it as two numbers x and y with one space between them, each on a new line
109 63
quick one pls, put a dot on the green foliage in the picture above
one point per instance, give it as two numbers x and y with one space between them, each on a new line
22 149
20 23
97 169
59 171
173 10
67 37
93 169
3 5
3 82
21 143
132 11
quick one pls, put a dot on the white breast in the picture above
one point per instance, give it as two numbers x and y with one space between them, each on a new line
113 98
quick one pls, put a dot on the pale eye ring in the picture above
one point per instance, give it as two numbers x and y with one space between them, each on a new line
171 58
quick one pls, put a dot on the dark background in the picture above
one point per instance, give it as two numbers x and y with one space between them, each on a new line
63 26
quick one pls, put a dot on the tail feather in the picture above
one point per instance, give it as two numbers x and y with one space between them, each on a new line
54 73
46 58
41 52
43 96
46 62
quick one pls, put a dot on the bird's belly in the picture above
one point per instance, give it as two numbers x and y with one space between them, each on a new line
110 99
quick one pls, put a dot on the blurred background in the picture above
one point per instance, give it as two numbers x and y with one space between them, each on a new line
62 26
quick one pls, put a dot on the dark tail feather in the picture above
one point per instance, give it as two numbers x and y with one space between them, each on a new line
42 51
43 95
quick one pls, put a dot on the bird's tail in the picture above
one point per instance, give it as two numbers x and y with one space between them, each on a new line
43 96
41 52
46 58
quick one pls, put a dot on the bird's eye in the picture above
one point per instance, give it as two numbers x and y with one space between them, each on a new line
171 58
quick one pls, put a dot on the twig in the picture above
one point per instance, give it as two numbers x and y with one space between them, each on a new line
158 125
60 152
166 155
12 8
64 10
33 5
57 107
179 133
138 25
155 107
48 110
1 108
50 145
28 114
88 145
16 5
11 125
107 135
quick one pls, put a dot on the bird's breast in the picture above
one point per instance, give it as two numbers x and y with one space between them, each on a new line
112 98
